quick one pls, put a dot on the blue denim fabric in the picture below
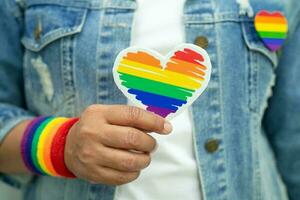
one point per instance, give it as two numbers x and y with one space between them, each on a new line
56 57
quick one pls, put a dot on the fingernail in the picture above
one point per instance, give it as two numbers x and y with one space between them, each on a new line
167 128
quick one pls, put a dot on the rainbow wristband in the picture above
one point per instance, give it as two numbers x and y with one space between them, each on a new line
43 144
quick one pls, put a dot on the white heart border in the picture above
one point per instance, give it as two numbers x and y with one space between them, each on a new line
164 60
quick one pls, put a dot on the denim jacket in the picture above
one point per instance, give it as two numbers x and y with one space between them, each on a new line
56 58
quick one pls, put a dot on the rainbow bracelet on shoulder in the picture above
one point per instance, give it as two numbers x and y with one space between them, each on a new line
43 145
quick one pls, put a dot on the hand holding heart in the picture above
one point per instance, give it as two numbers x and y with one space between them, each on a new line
163 85
110 144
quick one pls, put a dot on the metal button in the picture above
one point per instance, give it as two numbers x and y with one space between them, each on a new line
38 28
211 145
201 41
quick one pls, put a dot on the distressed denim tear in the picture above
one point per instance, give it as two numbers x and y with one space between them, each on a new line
245 8
45 77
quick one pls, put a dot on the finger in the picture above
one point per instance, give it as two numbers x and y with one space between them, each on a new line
127 138
123 160
138 118
114 177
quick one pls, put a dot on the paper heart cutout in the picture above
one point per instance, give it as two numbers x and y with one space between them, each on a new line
272 28
164 85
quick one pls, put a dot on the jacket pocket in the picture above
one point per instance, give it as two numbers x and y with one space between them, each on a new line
49 37
47 23
255 44
262 62
262 65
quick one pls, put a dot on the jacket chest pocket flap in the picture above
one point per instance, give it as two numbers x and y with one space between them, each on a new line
45 23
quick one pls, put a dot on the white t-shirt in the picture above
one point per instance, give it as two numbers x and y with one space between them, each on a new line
172 173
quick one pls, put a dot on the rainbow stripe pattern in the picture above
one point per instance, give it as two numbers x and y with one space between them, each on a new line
43 144
272 28
161 84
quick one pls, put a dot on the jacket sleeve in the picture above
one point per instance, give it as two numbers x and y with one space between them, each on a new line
282 119
12 103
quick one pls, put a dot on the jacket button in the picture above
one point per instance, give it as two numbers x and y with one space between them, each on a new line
38 29
201 41
211 145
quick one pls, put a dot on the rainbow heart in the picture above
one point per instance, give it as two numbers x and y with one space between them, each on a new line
163 85
272 28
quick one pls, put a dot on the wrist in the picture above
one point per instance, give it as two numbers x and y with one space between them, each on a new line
68 152
43 143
